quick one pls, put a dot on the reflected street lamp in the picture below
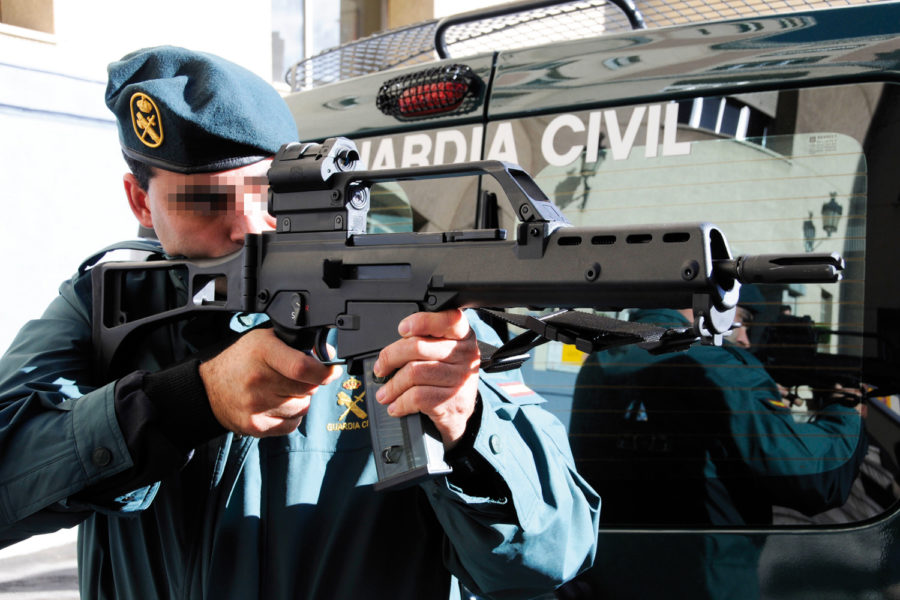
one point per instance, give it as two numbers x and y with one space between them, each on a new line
831 217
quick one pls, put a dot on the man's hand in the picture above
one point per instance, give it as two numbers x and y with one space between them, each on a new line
436 363
260 386
852 396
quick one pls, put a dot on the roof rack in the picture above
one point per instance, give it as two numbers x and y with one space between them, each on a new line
514 25
522 24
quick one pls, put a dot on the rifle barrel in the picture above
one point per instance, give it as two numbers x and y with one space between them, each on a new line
783 268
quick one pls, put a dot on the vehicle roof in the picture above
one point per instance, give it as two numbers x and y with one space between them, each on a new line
722 58
854 43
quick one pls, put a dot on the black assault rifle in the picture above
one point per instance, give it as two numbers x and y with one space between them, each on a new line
320 271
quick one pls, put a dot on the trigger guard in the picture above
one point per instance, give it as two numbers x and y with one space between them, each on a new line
320 348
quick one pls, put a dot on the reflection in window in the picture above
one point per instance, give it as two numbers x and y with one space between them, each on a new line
725 115
758 429
389 210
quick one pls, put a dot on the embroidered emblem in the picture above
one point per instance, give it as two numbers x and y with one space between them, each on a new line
350 402
351 384
146 121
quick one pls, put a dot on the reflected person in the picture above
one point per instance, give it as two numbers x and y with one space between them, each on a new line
700 438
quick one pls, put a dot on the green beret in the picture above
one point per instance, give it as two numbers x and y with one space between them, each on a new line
192 112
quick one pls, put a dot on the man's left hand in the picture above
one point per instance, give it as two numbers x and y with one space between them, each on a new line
435 366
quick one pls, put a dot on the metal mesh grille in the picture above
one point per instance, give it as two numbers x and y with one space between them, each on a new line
662 13
406 46
415 44
564 21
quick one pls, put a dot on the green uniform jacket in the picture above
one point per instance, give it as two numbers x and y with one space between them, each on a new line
696 440
709 426
286 517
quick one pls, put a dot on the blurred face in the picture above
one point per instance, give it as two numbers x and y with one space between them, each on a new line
203 215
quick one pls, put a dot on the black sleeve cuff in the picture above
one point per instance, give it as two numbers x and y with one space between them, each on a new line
458 456
472 474
163 416
180 397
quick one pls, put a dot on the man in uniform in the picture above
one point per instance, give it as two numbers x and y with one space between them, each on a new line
248 472
700 438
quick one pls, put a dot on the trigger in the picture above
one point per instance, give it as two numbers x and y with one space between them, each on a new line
320 348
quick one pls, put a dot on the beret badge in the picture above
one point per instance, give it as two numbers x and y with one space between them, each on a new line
146 120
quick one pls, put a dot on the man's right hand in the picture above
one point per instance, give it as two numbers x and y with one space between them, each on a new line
259 386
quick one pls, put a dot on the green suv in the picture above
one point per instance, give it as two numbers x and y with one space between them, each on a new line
780 130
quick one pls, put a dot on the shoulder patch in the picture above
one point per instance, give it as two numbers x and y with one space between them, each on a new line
515 389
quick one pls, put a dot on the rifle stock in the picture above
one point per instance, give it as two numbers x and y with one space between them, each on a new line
319 270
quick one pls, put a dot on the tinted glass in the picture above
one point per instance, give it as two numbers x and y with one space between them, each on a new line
765 429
